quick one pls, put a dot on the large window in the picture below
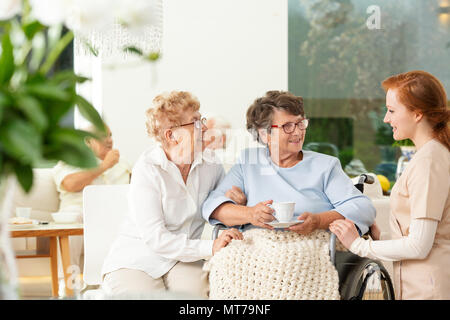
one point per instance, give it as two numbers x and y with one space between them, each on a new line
341 50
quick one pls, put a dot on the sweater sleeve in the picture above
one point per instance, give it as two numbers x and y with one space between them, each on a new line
416 245
346 199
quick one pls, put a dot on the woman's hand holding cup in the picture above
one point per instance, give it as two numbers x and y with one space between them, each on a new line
261 213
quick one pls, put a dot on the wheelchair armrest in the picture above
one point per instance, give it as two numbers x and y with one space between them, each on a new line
221 226
333 246
216 229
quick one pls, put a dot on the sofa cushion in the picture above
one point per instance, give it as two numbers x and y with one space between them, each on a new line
43 197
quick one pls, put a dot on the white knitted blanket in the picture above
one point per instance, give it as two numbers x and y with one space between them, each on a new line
274 265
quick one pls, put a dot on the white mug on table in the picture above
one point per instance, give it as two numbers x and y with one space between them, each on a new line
23 212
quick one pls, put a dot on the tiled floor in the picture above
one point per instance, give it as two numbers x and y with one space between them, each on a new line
35 287
38 288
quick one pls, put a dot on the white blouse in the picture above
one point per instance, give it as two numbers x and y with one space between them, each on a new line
164 223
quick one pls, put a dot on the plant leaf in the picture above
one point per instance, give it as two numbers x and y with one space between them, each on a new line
38 51
73 137
31 28
48 91
74 142
88 111
54 34
21 141
153 56
81 158
6 60
4 99
4 102
67 77
24 174
134 50
33 111
56 51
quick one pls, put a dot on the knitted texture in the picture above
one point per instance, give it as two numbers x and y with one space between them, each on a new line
274 265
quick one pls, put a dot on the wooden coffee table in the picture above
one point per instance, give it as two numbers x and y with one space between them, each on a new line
56 232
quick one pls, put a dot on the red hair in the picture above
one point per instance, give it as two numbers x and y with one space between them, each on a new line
422 92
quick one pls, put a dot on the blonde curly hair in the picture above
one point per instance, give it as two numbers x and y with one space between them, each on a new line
168 110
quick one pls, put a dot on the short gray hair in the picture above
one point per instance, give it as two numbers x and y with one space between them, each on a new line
260 113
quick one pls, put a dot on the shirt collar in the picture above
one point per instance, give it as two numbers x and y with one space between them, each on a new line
157 156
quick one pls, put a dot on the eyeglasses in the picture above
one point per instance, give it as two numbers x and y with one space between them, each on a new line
290 126
197 124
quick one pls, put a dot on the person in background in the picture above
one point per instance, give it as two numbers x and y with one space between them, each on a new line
219 130
70 182
216 134
417 109
159 247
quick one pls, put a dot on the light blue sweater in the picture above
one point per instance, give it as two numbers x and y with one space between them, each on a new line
315 184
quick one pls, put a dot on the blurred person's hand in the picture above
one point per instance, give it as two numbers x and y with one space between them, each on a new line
111 159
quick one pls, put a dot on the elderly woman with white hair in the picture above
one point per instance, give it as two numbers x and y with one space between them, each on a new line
159 246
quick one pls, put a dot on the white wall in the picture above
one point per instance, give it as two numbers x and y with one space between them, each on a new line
226 52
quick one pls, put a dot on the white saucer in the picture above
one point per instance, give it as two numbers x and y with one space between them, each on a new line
21 226
14 226
277 224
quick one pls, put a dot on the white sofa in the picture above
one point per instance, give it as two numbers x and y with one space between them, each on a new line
44 200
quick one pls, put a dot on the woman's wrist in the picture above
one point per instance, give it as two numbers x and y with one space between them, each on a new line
355 245
325 218
248 213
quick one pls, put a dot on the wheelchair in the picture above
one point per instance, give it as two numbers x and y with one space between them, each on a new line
359 278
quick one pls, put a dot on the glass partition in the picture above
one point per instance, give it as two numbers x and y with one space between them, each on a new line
341 50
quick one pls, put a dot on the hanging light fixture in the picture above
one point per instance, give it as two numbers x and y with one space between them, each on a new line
136 27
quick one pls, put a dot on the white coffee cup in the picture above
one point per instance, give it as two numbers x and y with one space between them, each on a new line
284 211
23 212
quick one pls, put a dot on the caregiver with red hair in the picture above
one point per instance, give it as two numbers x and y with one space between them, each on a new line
417 109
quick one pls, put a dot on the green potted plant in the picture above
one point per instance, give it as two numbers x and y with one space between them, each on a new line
407 148
33 101
34 98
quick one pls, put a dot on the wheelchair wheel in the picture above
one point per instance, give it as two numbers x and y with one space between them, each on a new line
366 280
362 278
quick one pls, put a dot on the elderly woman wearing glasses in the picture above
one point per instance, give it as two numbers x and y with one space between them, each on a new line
283 172
159 246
